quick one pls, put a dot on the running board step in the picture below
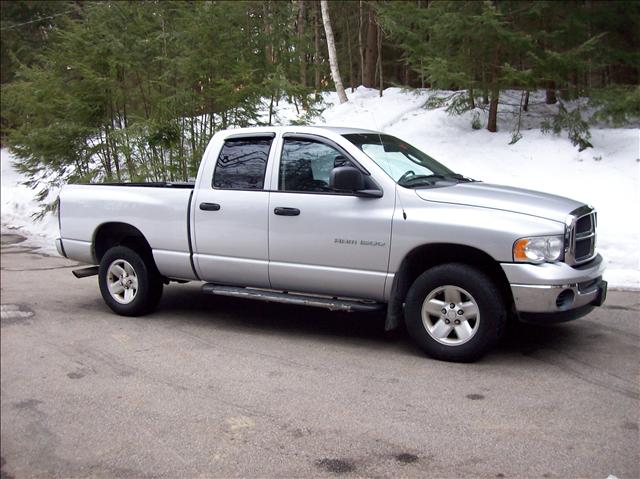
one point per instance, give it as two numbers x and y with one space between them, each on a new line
297 299
85 272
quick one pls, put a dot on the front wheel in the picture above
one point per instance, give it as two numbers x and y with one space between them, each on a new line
455 312
129 285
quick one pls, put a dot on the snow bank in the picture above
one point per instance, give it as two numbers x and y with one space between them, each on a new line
18 206
606 176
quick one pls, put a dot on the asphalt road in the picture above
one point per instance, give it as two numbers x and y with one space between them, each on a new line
212 387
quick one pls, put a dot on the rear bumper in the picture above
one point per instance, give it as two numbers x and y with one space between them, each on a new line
60 247
80 251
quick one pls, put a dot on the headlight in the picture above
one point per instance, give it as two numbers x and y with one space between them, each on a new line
539 249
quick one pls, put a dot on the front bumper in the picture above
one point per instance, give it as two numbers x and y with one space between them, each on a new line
558 299
556 289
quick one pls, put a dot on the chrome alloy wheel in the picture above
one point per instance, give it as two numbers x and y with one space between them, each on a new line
122 281
450 315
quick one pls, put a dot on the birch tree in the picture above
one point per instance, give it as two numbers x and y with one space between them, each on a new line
333 56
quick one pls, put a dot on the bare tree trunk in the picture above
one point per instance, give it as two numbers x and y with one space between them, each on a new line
301 24
268 49
525 107
352 82
485 89
271 110
333 56
516 135
492 124
370 52
551 93
380 60
316 56
360 44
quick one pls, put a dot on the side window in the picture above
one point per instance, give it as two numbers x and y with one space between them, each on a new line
306 165
242 164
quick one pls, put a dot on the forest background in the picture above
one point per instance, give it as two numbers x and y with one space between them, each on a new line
118 91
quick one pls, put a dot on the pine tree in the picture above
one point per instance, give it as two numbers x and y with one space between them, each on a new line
454 45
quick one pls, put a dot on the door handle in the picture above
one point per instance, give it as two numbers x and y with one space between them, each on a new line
286 211
209 206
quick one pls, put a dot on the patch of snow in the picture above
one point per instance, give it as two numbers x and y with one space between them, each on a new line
14 311
606 176
18 206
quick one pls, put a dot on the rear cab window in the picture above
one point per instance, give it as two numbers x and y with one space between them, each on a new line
242 163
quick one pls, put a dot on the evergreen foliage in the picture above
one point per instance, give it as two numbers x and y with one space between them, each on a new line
573 123
134 90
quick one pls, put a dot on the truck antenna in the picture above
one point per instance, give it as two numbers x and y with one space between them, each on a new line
397 193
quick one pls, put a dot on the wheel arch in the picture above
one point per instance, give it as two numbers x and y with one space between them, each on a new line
111 234
426 256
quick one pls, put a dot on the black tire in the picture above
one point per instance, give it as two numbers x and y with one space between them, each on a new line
149 283
484 293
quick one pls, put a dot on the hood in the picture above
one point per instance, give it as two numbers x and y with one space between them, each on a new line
505 198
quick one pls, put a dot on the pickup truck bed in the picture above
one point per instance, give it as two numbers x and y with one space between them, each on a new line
158 211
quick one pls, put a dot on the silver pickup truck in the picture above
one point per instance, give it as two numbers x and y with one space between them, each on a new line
345 219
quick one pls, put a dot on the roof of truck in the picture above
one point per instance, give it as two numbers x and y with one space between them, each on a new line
340 130
343 130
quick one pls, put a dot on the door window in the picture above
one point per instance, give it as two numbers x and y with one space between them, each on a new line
306 165
242 164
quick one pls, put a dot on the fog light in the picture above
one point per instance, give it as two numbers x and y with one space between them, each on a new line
565 299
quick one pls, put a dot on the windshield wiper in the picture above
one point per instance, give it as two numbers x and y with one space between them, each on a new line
458 176
418 179
430 179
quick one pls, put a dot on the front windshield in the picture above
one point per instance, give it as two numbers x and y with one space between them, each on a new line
407 165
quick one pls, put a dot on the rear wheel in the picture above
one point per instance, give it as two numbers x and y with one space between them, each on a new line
130 285
454 312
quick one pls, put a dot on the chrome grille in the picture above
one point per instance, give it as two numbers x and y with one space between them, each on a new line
580 235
